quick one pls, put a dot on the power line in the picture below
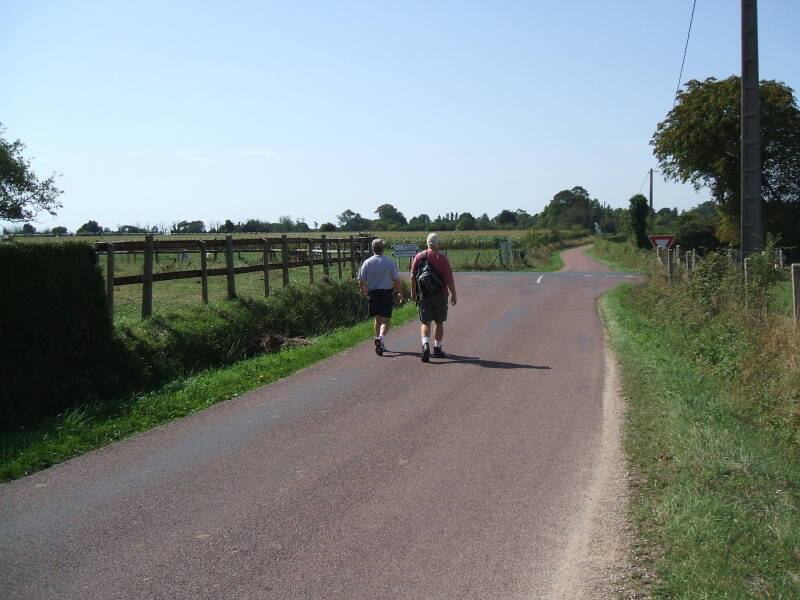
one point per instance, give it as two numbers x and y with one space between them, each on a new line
685 48
641 187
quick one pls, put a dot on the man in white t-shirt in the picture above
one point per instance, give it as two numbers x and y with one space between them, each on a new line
377 278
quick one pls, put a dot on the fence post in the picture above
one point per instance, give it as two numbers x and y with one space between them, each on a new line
110 280
781 259
310 261
265 244
352 258
229 266
325 267
285 257
796 292
147 278
339 256
670 259
203 272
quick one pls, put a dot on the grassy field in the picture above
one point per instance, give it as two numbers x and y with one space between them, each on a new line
712 437
180 293
88 427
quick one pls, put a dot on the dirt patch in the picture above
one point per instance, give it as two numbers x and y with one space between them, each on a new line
596 563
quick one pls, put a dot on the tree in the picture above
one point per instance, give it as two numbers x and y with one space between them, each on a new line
28 228
466 222
506 219
59 230
639 211
388 213
484 222
90 227
352 221
699 142
419 223
327 227
22 195
189 227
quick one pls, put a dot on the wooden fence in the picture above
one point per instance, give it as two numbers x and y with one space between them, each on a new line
278 253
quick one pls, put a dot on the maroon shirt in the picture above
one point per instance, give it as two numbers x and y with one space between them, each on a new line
439 262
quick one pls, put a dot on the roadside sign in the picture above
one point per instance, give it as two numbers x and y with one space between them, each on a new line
664 242
404 250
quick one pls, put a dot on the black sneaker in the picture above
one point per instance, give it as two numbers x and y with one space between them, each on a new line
426 352
379 347
438 352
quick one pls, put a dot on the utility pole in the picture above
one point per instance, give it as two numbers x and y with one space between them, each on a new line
652 214
751 225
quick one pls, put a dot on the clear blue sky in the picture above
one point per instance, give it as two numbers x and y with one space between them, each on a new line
157 112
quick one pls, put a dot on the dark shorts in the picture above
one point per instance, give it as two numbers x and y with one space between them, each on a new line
433 309
379 303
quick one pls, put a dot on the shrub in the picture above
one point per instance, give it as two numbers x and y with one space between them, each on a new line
56 332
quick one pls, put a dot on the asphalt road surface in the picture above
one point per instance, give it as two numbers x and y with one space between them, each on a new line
359 477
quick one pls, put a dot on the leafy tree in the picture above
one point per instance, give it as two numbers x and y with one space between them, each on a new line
90 227
28 228
484 222
466 222
327 227
639 211
228 227
572 207
59 230
352 221
694 230
506 219
699 142
189 227
387 212
22 195
419 223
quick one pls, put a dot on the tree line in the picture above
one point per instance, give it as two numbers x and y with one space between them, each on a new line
698 142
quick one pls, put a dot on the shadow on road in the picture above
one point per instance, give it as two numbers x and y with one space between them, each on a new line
473 360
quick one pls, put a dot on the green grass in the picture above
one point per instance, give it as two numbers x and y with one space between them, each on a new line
88 427
716 494
622 256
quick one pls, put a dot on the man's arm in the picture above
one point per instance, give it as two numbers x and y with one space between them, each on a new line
451 284
362 287
398 288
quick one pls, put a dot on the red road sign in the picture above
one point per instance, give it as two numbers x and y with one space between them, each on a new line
662 241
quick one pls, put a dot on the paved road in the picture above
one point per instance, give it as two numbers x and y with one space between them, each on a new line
359 477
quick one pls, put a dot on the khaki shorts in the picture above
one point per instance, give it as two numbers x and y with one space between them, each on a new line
433 309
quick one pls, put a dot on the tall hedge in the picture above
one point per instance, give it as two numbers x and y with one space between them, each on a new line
55 334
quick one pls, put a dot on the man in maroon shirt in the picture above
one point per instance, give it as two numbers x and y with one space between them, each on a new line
433 308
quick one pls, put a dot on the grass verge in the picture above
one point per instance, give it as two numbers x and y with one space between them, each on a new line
716 494
86 428
621 256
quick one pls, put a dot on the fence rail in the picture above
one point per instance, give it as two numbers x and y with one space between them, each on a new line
276 253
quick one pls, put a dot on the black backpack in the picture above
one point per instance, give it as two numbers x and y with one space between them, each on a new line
429 282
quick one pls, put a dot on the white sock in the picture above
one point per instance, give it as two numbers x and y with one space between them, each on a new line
425 340
437 344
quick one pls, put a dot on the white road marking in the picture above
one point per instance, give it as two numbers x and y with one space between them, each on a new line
540 279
